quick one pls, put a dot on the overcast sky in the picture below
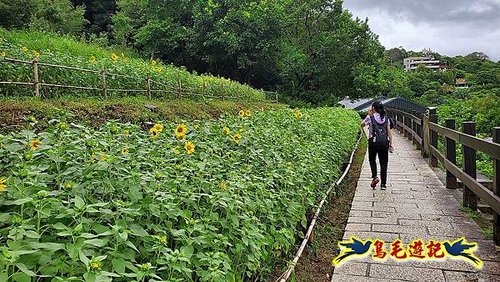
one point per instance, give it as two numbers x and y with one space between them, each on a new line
449 27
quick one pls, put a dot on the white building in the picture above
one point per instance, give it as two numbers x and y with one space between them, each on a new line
413 62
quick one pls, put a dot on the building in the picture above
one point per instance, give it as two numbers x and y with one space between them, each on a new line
413 62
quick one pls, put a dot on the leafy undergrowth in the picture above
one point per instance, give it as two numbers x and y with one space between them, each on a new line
213 200
17 113
64 50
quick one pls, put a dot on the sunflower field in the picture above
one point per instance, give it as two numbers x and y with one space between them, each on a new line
64 50
212 200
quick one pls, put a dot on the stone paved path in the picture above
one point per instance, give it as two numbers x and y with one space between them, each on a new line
416 205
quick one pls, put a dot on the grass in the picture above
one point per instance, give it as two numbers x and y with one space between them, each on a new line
68 51
15 113
483 222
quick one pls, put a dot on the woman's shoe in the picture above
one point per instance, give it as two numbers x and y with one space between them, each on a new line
374 182
382 187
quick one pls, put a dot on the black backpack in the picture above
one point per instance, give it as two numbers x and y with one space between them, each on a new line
379 132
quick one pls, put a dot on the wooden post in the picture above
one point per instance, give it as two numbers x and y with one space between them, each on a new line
451 155
35 76
222 90
419 129
433 136
148 80
469 161
180 88
496 188
103 83
414 128
277 101
204 93
405 122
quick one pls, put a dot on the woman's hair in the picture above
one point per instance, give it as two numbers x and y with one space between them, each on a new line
379 108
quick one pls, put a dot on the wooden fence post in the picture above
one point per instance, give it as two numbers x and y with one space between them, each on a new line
179 90
148 81
419 132
277 101
496 188
425 135
103 82
35 76
433 136
204 93
405 123
469 161
413 127
451 155
222 90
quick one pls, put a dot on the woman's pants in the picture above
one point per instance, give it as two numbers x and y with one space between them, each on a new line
383 157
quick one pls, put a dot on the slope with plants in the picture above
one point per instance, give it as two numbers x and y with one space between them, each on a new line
214 200
64 50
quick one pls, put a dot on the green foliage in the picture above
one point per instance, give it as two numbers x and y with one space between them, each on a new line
120 203
51 48
49 15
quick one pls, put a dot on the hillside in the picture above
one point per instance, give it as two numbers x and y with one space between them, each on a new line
125 71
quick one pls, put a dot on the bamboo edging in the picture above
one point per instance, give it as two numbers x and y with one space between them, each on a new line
284 277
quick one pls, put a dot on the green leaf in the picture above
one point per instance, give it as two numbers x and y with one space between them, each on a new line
24 269
53 247
97 242
79 203
137 230
118 265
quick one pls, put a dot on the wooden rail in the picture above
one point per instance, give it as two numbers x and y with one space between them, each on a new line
177 90
424 131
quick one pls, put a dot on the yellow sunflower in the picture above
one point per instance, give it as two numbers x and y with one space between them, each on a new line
189 148
102 157
176 150
226 130
153 62
92 59
237 138
126 132
35 144
68 185
223 185
298 114
180 131
242 113
24 49
154 133
248 113
125 151
114 57
3 186
3 54
158 127
36 54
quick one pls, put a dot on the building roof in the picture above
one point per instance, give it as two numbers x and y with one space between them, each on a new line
356 103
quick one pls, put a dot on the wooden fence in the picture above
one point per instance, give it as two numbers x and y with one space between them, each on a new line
177 90
424 131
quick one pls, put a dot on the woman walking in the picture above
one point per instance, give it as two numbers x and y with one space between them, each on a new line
379 142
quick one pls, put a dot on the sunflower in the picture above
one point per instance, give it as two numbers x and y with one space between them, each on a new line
95 265
102 157
154 133
114 57
35 144
189 148
125 151
3 54
248 113
126 132
68 185
226 130
237 138
92 59
36 54
24 49
3 186
180 131
242 113
158 127
298 114
153 62
223 185
176 150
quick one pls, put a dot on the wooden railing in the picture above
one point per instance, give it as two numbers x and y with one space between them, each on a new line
424 131
176 89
